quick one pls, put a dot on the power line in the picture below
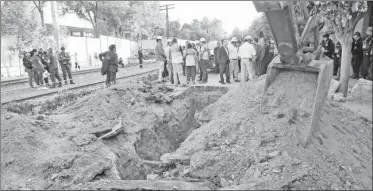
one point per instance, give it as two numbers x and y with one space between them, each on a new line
167 21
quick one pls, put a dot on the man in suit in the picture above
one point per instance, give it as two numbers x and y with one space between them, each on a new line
223 60
357 54
215 57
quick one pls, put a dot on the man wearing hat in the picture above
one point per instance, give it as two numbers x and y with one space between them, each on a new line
204 59
327 46
65 62
233 59
357 54
168 60
367 48
160 57
247 53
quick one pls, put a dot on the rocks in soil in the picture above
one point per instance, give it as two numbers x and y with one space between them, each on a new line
93 170
173 158
334 85
152 177
338 97
115 131
362 91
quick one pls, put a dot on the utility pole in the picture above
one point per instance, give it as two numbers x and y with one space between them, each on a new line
55 24
167 22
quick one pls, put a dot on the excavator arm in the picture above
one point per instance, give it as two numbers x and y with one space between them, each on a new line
282 20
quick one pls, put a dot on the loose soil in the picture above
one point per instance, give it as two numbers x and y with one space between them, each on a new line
60 143
117 138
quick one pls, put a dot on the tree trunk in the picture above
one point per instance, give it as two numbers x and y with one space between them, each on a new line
346 44
42 16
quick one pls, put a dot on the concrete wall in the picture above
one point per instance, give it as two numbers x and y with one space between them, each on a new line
11 64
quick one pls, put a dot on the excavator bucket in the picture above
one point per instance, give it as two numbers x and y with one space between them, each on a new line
281 18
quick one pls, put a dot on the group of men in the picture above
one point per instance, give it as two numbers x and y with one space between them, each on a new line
361 51
251 59
40 65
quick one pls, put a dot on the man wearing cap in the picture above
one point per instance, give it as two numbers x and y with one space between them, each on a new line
357 54
204 59
328 48
247 53
367 48
233 59
168 61
160 57
64 60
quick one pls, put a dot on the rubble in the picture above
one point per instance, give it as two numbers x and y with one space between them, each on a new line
362 91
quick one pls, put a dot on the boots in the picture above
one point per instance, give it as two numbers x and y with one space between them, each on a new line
71 81
59 84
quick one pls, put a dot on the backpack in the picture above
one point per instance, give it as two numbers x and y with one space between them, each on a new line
190 58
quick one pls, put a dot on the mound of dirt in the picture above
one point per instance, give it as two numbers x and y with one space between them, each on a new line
111 134
245 145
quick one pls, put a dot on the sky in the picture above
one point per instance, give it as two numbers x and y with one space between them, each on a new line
233 13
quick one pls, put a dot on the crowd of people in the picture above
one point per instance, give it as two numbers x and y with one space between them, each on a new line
177 61
180 64
42 65
361 51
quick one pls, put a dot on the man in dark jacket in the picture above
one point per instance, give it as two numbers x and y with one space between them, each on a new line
263 58
337 59
28 67
216 57
357 54
328 46
367 48
65 62
53 69
110 59
223 60
141 56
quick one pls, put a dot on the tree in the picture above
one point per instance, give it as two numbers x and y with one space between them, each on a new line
40 5
86 10
14 21
260 24
342 16
174 28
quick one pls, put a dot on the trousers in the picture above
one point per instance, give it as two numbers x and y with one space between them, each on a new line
178 73
38 76
160 65
55 74
191 73
233 69
170 71
224 69
30 74
66 71
247 67
203 70
356 62
110 77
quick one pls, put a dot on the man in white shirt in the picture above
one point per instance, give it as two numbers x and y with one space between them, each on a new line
204 59
233 59
247 53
